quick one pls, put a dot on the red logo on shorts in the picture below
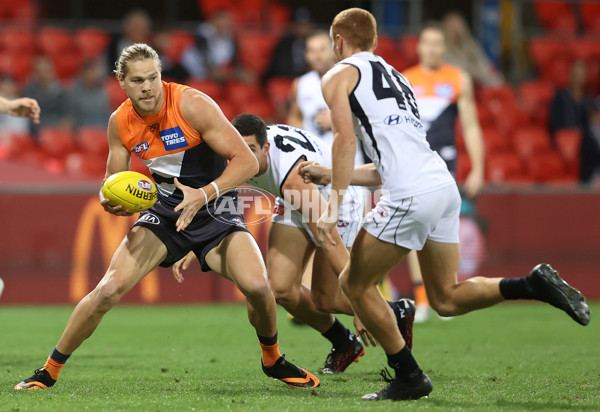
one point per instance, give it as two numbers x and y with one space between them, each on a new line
381 212
279 209
145 185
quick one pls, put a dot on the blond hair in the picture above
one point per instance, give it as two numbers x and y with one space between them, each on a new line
357 26
135 52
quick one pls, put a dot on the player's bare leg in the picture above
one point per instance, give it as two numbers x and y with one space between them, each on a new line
370 261
238 258
439 265
287 253
138 254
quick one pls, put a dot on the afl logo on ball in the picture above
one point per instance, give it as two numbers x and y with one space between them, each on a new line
145 185
141 148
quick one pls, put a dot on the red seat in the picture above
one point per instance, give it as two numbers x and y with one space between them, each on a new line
93 140
116 95
85 163
495 142
568 143
531 141
17 65
505 167
534 98
260 107
56 143
91 42
556 15
179 41
255 50
67 64
386 47
279 90
54 41
17 41
547 167
240 93
590 14
408 46
212 89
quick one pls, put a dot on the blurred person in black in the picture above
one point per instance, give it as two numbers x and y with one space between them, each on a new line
214 56
288 57
571 108
45 88
136 27
87 101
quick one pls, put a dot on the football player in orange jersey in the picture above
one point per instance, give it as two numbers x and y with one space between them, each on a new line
197 159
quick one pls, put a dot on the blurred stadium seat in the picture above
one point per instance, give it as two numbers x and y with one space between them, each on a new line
93 140
408 47
505 168
255 50
56 143
547 167
180 40
279 90
54 41
568 143
91 42
116 95
590 14
556 15
212 89
17 41
531 141
534 99
17 65
240 93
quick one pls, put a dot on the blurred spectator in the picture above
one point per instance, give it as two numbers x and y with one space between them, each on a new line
45 88
288 57
11 124
462 50
87 101
595 134
171 71
214 56
571 108
136 28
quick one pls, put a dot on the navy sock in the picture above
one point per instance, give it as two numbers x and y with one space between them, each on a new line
404 364
338 335
515 288
267 341
58 357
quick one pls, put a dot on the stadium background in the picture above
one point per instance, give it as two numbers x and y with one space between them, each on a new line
57 241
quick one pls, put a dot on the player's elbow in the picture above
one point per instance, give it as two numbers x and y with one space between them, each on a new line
249 168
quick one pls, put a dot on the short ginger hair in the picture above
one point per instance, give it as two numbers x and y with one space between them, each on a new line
357 26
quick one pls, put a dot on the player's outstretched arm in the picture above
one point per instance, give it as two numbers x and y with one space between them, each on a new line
118 161
22 107
467 112
203 114
363 175
294 117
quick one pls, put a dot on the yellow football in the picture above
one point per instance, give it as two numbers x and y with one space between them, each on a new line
132 190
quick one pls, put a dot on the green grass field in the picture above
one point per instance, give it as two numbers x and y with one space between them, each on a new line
157 358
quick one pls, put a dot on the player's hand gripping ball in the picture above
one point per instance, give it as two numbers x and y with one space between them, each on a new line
132 190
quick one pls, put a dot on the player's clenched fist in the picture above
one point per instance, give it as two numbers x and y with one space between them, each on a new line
313 172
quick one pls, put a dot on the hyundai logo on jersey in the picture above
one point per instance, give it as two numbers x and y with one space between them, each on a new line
393 119
141 148
173 138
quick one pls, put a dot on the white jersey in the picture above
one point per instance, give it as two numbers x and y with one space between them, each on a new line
310 100
287 146
386 119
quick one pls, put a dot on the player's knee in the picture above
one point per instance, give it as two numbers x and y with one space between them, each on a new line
285 296
443 304
107 295
324 302
256 288
351 289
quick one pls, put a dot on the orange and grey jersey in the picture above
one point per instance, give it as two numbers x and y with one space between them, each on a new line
437 92
169 146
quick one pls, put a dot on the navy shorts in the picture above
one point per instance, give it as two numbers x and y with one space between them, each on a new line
209 227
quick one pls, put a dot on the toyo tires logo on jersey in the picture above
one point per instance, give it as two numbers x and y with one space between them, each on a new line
145 185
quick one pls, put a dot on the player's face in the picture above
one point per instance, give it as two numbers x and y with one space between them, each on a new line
431 48
143 86
319 54
259 152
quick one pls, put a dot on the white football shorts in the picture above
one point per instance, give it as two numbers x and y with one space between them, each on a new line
410 222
